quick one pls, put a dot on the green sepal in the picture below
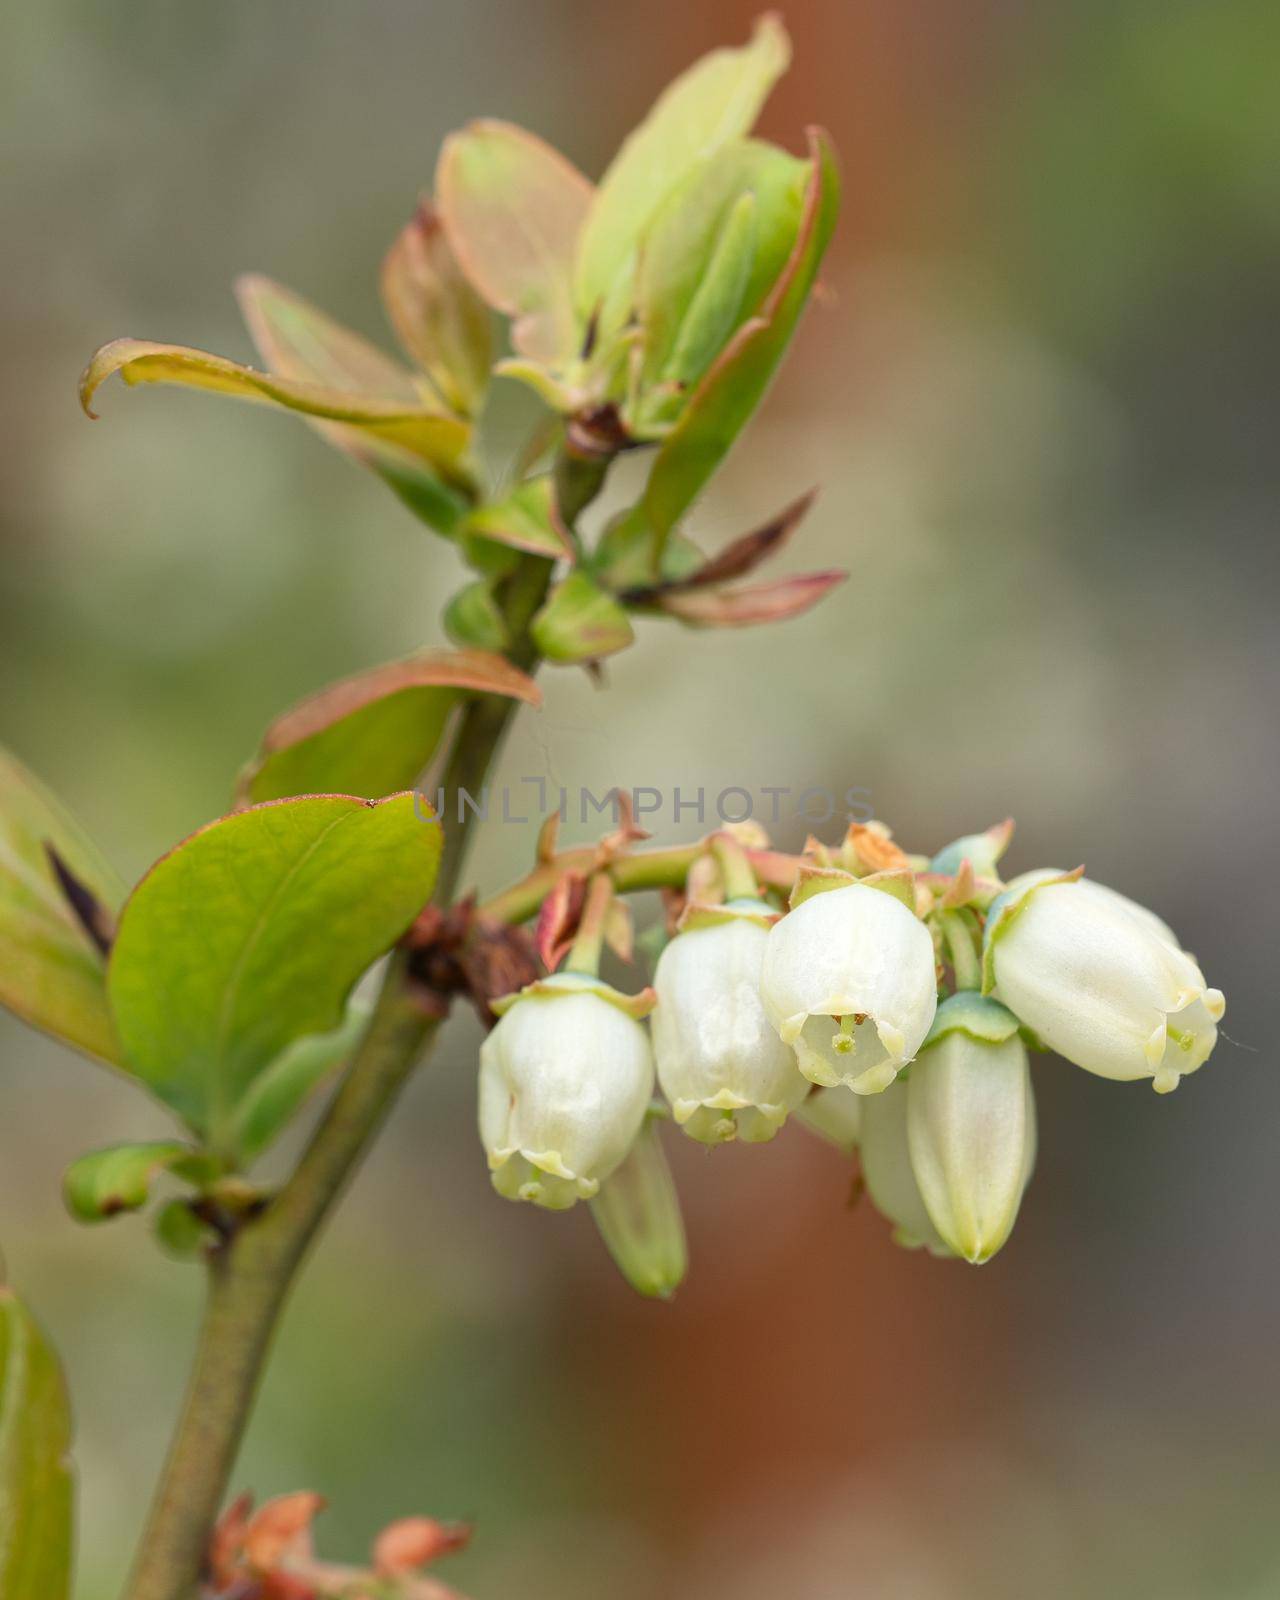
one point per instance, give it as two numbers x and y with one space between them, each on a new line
981 850
580 621
119 1178
560 984
474 618
699 915
817 880
897 881
975 1015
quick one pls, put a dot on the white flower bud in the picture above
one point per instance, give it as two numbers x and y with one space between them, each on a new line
565 1079
834 1115
849 983
720 1063
1100 980
971 1124
638 1214
886 1171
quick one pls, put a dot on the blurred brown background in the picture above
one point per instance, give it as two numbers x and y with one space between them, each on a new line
1041 400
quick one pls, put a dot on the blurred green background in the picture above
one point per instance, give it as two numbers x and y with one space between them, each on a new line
1040 396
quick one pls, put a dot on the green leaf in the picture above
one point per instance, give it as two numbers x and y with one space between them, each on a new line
372 734
51 972
713 252
580 622
106 1182
299 341
397 419
250 936
526 519
179 1232
715 101
724 401
35 1478
283 1086
513 209
438 317
473 618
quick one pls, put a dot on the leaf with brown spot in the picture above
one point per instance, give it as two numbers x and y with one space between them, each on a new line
52 971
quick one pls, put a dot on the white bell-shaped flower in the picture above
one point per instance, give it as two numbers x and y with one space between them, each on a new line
721 1065
1100 981
971 1124
885 1159
1158 926
565 1079
850 984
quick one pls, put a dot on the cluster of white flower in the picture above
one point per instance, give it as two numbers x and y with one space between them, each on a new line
891 1011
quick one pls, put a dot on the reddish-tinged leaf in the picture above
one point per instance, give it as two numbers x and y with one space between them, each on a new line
558 919
373 733
397 420
740 608
438 317
299 341
513 209
415 1542
281 1530
736 559
746 554
226 1543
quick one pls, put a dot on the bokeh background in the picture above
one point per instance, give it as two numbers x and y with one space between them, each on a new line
1041 398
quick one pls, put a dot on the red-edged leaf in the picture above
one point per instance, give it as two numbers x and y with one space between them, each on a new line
438 317
740 608
513 209
373 733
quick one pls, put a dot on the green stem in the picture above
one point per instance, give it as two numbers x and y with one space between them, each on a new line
585 955
735 868
251 1275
